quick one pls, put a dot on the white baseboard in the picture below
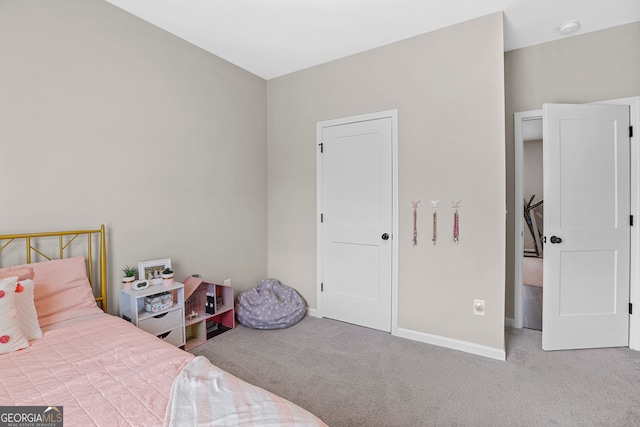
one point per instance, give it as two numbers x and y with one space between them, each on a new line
312 312
467 347
508 322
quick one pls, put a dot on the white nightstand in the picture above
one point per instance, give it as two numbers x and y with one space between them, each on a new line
167 324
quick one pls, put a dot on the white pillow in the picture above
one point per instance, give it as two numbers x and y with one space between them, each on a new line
11 336
27 315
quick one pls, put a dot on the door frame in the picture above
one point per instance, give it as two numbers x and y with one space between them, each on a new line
519 120
634 286
393 115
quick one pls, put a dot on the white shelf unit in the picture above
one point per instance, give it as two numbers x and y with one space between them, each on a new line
167 324
201 326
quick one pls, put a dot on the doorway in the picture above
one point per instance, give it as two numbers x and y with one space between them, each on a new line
533 226
527 127
528 119
357 210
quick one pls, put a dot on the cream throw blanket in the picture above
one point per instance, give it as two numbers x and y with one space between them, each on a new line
205 395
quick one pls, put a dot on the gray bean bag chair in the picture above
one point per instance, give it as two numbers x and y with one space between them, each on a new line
271 305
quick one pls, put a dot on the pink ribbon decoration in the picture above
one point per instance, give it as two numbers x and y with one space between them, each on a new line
456 221
414 239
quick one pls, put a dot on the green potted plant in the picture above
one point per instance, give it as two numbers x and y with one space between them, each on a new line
129 276
167 276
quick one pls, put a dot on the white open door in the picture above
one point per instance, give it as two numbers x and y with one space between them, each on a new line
587 220
357 223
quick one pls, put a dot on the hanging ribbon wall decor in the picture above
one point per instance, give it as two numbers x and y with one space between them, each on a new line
414 239
456 220
434 205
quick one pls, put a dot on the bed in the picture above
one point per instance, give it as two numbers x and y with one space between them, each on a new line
61 350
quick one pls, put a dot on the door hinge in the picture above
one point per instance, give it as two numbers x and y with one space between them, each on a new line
631 220
321 217
630 308
322 288
630 131
321 147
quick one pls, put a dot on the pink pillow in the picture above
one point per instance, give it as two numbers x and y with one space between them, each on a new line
62 290
23 273
11 336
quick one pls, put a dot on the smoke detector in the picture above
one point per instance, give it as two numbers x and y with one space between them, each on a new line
568 27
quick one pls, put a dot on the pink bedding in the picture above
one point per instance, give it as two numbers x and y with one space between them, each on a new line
103 371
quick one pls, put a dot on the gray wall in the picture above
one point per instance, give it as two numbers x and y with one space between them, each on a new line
448 88
590 67
92 98
105 118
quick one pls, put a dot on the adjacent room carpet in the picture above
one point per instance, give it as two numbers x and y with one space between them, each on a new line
354 376
532 307
532 271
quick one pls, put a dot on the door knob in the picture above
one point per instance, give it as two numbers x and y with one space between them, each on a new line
555 239
385 236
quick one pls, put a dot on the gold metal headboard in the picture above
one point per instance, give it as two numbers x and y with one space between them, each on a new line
31 240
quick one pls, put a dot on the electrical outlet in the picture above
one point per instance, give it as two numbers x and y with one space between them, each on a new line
478 307
227 282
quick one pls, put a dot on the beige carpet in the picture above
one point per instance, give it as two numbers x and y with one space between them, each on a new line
351 376
532 271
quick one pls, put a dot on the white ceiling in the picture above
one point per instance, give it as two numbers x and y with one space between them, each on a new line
271 38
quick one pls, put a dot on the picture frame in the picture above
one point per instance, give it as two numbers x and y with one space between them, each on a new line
152 270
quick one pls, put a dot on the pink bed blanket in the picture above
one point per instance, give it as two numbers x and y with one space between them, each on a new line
104 371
